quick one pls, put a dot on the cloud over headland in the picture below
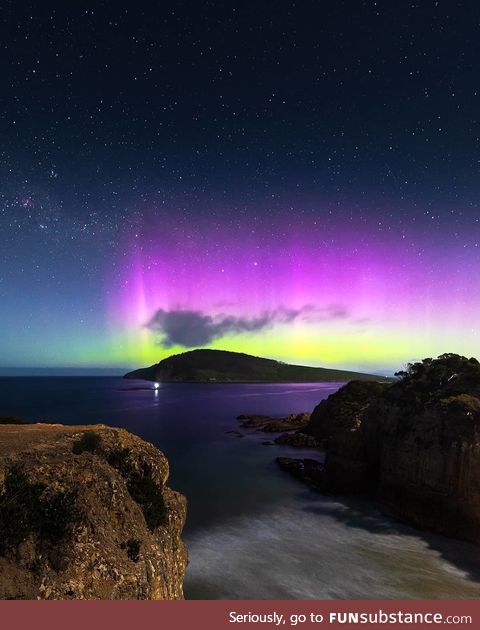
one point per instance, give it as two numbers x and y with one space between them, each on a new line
195 328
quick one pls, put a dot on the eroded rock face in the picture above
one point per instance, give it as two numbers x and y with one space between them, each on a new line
429 466
415 444
85 513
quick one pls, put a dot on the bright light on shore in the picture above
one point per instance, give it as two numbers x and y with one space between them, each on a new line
156 385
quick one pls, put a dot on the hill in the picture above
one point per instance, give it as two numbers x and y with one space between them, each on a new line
221 366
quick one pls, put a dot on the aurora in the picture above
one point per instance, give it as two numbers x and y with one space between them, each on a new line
295 200
338 295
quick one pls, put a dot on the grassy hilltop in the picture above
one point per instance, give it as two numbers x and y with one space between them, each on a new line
221 366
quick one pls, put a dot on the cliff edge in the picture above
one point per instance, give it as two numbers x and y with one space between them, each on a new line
85 513
415 444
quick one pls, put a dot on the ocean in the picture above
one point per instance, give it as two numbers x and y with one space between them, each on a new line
252 531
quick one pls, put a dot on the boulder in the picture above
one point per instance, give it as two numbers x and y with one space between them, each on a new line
86 513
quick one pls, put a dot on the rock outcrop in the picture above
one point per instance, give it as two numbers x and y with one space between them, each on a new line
270 424
422 443
415 444
342 412
291 429
85 513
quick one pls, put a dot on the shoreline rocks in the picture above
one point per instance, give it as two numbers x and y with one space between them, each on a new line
270 424
307 470
291 428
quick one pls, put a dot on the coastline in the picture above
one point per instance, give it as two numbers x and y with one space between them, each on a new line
239 499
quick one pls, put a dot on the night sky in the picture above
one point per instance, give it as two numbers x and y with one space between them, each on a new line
298 180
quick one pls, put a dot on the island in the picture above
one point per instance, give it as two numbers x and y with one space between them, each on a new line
222 366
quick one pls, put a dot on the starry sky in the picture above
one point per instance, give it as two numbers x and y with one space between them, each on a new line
298 180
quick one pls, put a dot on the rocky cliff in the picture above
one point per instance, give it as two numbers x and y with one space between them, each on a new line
415 444
422 440
85 513
342 412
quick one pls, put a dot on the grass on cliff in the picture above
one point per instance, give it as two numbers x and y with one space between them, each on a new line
343 410
140 484
133 547
141 487
89 442
29 508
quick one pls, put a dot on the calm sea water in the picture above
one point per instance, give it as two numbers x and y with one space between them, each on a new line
252 531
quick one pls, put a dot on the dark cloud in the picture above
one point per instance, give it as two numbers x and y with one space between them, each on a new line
193 329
